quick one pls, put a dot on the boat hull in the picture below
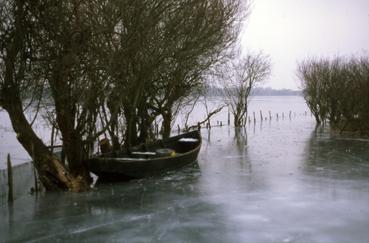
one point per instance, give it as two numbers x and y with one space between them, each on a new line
122 167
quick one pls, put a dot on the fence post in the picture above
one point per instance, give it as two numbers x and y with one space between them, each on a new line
261 116
10 180
34 169
229 117
52 138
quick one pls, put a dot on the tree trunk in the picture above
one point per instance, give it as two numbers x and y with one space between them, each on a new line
65 117
145 126
113 130
131 127
167 123
52 172
237 120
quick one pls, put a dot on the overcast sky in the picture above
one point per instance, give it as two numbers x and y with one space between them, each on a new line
292 30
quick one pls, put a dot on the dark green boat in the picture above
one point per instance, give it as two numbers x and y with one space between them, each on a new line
147 159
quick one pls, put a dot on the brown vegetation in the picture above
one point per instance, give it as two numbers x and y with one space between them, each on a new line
337 91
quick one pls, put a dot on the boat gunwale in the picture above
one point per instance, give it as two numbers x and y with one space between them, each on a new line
140 160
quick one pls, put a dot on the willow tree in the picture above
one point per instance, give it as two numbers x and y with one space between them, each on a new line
160 52
203 31
45 50
239 79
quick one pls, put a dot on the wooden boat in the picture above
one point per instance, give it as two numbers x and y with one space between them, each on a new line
147 159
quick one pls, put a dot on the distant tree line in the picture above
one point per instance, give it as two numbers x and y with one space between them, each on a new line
256 91
337 91
275 92
113 67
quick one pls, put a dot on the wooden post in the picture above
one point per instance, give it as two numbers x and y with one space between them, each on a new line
10 180
52 138
155 129
254 116
277 116
261 116
34 169
221 124
179 129
229 117
270 115
35 178
290 114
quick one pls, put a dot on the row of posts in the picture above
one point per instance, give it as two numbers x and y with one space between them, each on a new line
253 118
262 118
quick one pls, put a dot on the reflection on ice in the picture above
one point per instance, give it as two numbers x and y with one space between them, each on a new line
284 183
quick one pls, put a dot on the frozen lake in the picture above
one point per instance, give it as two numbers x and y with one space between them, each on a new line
279 181
275 104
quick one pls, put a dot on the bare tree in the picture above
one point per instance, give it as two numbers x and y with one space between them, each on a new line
119 60
239 78
160 52
311 73
336 91
46 49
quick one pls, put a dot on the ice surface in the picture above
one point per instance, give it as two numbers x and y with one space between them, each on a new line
279 182
190 140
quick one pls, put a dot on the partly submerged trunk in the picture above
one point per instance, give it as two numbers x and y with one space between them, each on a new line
52 172
65 117
237 120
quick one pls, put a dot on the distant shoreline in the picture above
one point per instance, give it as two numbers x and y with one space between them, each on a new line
275 92
215 91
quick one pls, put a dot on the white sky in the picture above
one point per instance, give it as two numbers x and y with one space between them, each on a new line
292 30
